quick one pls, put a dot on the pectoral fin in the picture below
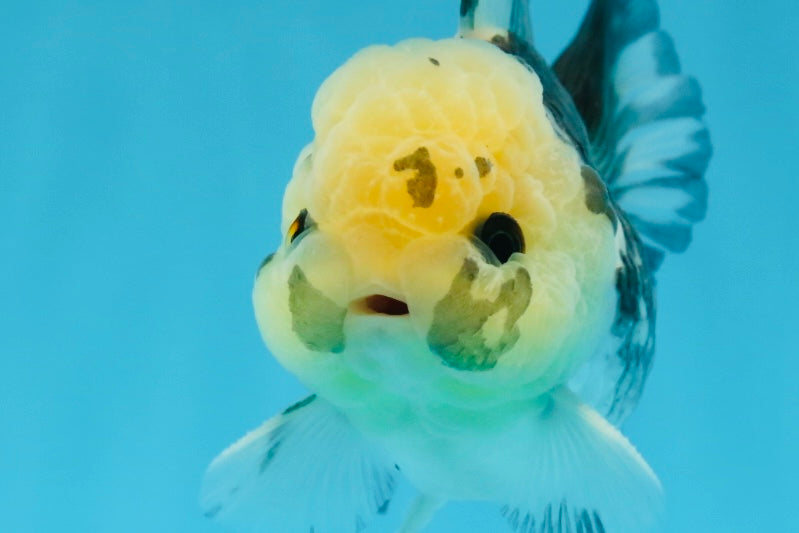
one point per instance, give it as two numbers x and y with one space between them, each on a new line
306 469
584 476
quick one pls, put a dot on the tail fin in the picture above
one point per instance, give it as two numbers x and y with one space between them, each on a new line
644 120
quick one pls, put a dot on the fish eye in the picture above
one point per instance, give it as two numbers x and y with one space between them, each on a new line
298 227
503 236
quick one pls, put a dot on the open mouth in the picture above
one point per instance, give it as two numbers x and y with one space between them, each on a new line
379 304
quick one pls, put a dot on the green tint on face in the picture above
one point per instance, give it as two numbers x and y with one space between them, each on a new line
456 333
315 318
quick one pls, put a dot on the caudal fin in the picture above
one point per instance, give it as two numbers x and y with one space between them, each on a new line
644 120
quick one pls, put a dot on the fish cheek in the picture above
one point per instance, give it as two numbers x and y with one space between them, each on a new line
316 319
456 334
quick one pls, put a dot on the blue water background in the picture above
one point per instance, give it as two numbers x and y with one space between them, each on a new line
144 147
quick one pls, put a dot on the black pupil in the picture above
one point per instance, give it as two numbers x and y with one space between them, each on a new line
300 222
502 234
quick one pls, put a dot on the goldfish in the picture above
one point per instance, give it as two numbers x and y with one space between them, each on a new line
466 282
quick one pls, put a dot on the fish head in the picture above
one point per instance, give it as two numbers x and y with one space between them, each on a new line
437 213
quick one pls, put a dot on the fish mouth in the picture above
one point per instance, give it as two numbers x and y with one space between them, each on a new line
380 304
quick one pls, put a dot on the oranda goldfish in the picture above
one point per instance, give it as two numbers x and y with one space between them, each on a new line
466 280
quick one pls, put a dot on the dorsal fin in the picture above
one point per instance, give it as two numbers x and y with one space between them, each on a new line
482 19
643 119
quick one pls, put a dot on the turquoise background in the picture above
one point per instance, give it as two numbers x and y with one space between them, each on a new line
144 147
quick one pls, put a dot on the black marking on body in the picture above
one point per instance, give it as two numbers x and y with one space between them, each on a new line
556 99
299 405
434 61
597 199
315 318
422 187
458 318
483 166
634 325
265 262
459 172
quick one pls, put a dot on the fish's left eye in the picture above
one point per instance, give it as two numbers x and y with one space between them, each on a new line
502 234
299 225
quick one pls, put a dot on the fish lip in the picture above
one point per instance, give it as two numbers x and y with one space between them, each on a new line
380 305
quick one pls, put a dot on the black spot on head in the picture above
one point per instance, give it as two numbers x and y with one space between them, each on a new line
422 187
459 172
483 166
434 61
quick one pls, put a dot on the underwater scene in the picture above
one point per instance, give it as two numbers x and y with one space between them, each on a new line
402 267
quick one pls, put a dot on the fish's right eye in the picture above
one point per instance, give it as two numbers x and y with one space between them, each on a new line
299 225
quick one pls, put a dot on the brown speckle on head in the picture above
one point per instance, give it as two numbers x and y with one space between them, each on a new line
422 187
434 61
483 166
459 172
